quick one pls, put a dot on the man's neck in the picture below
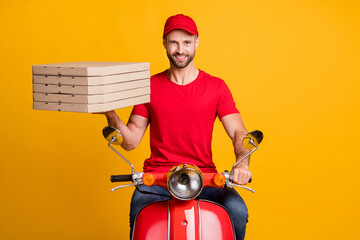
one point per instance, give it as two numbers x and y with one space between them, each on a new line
182 76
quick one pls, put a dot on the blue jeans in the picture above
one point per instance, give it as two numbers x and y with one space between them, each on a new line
228 198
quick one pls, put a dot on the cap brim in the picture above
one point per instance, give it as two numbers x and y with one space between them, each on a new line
192 32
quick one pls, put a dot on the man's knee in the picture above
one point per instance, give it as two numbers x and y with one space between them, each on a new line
236 206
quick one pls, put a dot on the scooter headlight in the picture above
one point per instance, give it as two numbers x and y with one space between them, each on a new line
185 182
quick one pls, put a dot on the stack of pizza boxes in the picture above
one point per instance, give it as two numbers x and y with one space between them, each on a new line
90 86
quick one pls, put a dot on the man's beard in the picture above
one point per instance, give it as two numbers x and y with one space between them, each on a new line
180 64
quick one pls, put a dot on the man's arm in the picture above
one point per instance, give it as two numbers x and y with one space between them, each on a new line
132 133
236 130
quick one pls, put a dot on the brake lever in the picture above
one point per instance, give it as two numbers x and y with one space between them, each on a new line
230 184
122 186
137 180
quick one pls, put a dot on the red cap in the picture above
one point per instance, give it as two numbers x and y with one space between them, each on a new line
180 21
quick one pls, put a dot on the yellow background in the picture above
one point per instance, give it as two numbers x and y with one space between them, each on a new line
293 69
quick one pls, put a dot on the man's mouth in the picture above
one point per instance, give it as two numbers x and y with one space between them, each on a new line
180 57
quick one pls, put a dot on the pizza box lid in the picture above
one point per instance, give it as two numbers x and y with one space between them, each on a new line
89 68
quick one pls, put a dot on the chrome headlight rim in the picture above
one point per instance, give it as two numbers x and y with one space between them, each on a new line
178 178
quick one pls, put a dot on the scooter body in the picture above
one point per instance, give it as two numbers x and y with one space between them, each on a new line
177 220
184 217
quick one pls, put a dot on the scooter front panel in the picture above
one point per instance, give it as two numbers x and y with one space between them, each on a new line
184 220
215 222
152 222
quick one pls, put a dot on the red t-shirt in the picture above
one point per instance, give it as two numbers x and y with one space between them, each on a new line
182 120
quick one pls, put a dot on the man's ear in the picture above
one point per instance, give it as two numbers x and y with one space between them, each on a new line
196 42
164 42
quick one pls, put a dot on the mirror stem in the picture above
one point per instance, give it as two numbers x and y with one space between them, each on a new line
252 142
109 144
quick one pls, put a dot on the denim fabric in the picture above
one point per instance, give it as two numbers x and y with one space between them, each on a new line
228 198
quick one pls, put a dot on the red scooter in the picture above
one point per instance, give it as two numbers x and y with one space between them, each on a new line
183 217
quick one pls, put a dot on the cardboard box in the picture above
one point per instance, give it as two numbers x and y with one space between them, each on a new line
91 99
89 69
91 108
90 86
98 89
90 81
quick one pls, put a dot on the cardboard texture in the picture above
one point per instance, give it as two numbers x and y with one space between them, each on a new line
99 89
89 81
91 108
97 98
90 86
89 68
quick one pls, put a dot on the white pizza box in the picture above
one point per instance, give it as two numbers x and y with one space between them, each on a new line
90 99
90 81
96 89
91 108
89 68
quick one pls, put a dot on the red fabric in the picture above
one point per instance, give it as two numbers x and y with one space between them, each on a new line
180 21
182 120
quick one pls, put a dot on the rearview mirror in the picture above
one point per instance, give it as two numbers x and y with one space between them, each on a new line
112 135
252 139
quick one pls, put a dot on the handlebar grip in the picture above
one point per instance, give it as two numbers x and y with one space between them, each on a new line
121 178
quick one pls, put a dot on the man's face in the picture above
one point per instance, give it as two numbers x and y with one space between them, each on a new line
180 47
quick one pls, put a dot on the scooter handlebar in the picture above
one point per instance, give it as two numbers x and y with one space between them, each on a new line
121 178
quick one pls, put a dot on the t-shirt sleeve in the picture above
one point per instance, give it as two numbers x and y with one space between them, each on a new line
226 103
141 110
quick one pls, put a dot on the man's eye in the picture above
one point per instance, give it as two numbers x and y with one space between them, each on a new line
187 43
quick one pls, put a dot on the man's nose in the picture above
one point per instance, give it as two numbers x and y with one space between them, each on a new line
180 49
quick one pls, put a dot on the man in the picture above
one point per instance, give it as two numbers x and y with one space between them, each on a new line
185 102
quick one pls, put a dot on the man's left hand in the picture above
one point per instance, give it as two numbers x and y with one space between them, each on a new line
242 175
